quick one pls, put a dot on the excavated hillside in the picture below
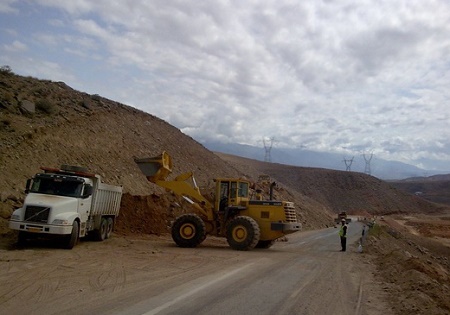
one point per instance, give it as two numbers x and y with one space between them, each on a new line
44 123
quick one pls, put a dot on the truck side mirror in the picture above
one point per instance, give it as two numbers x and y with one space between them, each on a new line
27 187
87 191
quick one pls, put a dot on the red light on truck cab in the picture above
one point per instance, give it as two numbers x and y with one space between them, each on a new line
58 171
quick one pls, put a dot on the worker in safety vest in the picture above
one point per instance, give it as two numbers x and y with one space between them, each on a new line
343 235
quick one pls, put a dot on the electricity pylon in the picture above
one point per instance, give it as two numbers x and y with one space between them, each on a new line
268 147
367 159
348 164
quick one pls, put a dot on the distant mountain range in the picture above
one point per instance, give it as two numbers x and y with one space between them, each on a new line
382 169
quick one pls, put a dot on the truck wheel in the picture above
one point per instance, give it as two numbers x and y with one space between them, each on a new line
265 244
72 239
109 227
22 238
243 233
100 234
188 230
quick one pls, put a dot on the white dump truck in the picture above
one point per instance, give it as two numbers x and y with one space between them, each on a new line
69 202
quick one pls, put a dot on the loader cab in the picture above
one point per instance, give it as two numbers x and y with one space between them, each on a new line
231 192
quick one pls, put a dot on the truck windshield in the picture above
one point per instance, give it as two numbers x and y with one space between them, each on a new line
56 186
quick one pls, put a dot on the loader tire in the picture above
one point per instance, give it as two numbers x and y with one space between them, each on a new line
188 230
243 233
265 244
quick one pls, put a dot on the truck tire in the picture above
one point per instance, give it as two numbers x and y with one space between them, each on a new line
265 244
101 233
72 239
188 230
243 233
109 227
22 238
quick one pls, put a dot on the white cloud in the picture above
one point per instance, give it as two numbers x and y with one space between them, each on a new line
15 46
7 6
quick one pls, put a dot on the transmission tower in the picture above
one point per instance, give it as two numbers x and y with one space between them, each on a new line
268 147
348 164
367 159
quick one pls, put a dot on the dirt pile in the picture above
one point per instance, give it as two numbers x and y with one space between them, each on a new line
415 269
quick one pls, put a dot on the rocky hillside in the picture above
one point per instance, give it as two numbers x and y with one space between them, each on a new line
44 123
356 193
433 188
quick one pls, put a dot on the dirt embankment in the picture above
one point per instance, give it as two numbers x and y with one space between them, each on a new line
412 255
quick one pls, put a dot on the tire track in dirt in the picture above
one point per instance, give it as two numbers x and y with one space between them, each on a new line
29 282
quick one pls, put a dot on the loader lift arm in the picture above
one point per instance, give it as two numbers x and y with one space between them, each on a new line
158 168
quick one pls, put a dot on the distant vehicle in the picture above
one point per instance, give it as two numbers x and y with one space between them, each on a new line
68 202
243 222
342 216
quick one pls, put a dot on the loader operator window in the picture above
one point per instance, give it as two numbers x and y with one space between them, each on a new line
233 193
243 190
224 187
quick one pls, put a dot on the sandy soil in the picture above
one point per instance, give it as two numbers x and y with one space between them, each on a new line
139 274
412 255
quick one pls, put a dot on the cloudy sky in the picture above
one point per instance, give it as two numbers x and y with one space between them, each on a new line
341 76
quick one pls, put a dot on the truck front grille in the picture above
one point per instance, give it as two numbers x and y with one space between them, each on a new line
289 211
37 214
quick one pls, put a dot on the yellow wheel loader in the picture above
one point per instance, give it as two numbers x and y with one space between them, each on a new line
245 223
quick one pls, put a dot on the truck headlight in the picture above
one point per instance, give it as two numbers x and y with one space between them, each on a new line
60 222
15 217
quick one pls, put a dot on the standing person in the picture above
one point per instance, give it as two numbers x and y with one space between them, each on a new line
343 235
363 237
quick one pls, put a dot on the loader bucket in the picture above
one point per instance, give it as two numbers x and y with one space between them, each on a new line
155 168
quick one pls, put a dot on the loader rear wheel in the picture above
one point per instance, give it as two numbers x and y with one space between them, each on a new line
188 230
243 233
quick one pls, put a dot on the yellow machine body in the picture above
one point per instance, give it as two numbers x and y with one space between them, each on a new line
232 214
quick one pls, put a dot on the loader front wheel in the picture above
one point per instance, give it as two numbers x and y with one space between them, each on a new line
188 230
243 233
265 244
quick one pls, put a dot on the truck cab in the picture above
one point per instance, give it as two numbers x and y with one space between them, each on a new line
66 203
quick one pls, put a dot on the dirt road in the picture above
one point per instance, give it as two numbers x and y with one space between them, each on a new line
150 275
